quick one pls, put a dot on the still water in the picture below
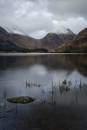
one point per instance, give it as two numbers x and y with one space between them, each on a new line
41 77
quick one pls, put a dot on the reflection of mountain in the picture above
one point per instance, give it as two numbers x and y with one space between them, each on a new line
79 62
52 62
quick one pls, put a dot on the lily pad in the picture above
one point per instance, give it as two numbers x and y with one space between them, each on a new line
21 100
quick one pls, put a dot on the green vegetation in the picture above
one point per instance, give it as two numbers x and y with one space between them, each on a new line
72 48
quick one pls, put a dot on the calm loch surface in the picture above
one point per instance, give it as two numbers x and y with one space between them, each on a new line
58 83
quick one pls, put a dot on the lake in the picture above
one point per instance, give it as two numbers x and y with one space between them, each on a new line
57 82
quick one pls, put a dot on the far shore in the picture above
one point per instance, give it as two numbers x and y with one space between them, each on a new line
30 54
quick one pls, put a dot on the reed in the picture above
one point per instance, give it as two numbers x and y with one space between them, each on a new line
32 84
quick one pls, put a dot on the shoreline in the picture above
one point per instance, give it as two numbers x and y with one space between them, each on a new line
37 54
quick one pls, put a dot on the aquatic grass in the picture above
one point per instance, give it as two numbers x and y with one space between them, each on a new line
32 84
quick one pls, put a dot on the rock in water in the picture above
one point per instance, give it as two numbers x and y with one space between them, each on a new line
21 100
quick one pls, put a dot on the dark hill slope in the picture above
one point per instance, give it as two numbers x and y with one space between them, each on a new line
78 45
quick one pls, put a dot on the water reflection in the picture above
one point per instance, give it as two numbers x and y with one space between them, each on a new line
57 82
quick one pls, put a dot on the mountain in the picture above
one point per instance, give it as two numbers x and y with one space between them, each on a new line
66 38
51 41
83 32
18 42
15 42
3 31
78 45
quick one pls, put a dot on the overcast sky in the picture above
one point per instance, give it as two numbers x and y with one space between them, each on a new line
38 17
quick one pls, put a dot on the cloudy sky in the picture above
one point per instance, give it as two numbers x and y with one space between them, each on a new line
38 17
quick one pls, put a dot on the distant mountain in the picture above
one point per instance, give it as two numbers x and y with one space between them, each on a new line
18 42
69 31
51 41
79 44
15 42
67 36
83 33
3 31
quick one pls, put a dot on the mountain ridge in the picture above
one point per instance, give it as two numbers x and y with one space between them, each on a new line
52 42
77 45
48 43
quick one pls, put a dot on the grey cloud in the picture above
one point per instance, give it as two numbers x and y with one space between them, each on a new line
68 7
38 17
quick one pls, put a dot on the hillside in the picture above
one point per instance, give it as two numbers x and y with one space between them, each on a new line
53 40
17 42
78 45
3 31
